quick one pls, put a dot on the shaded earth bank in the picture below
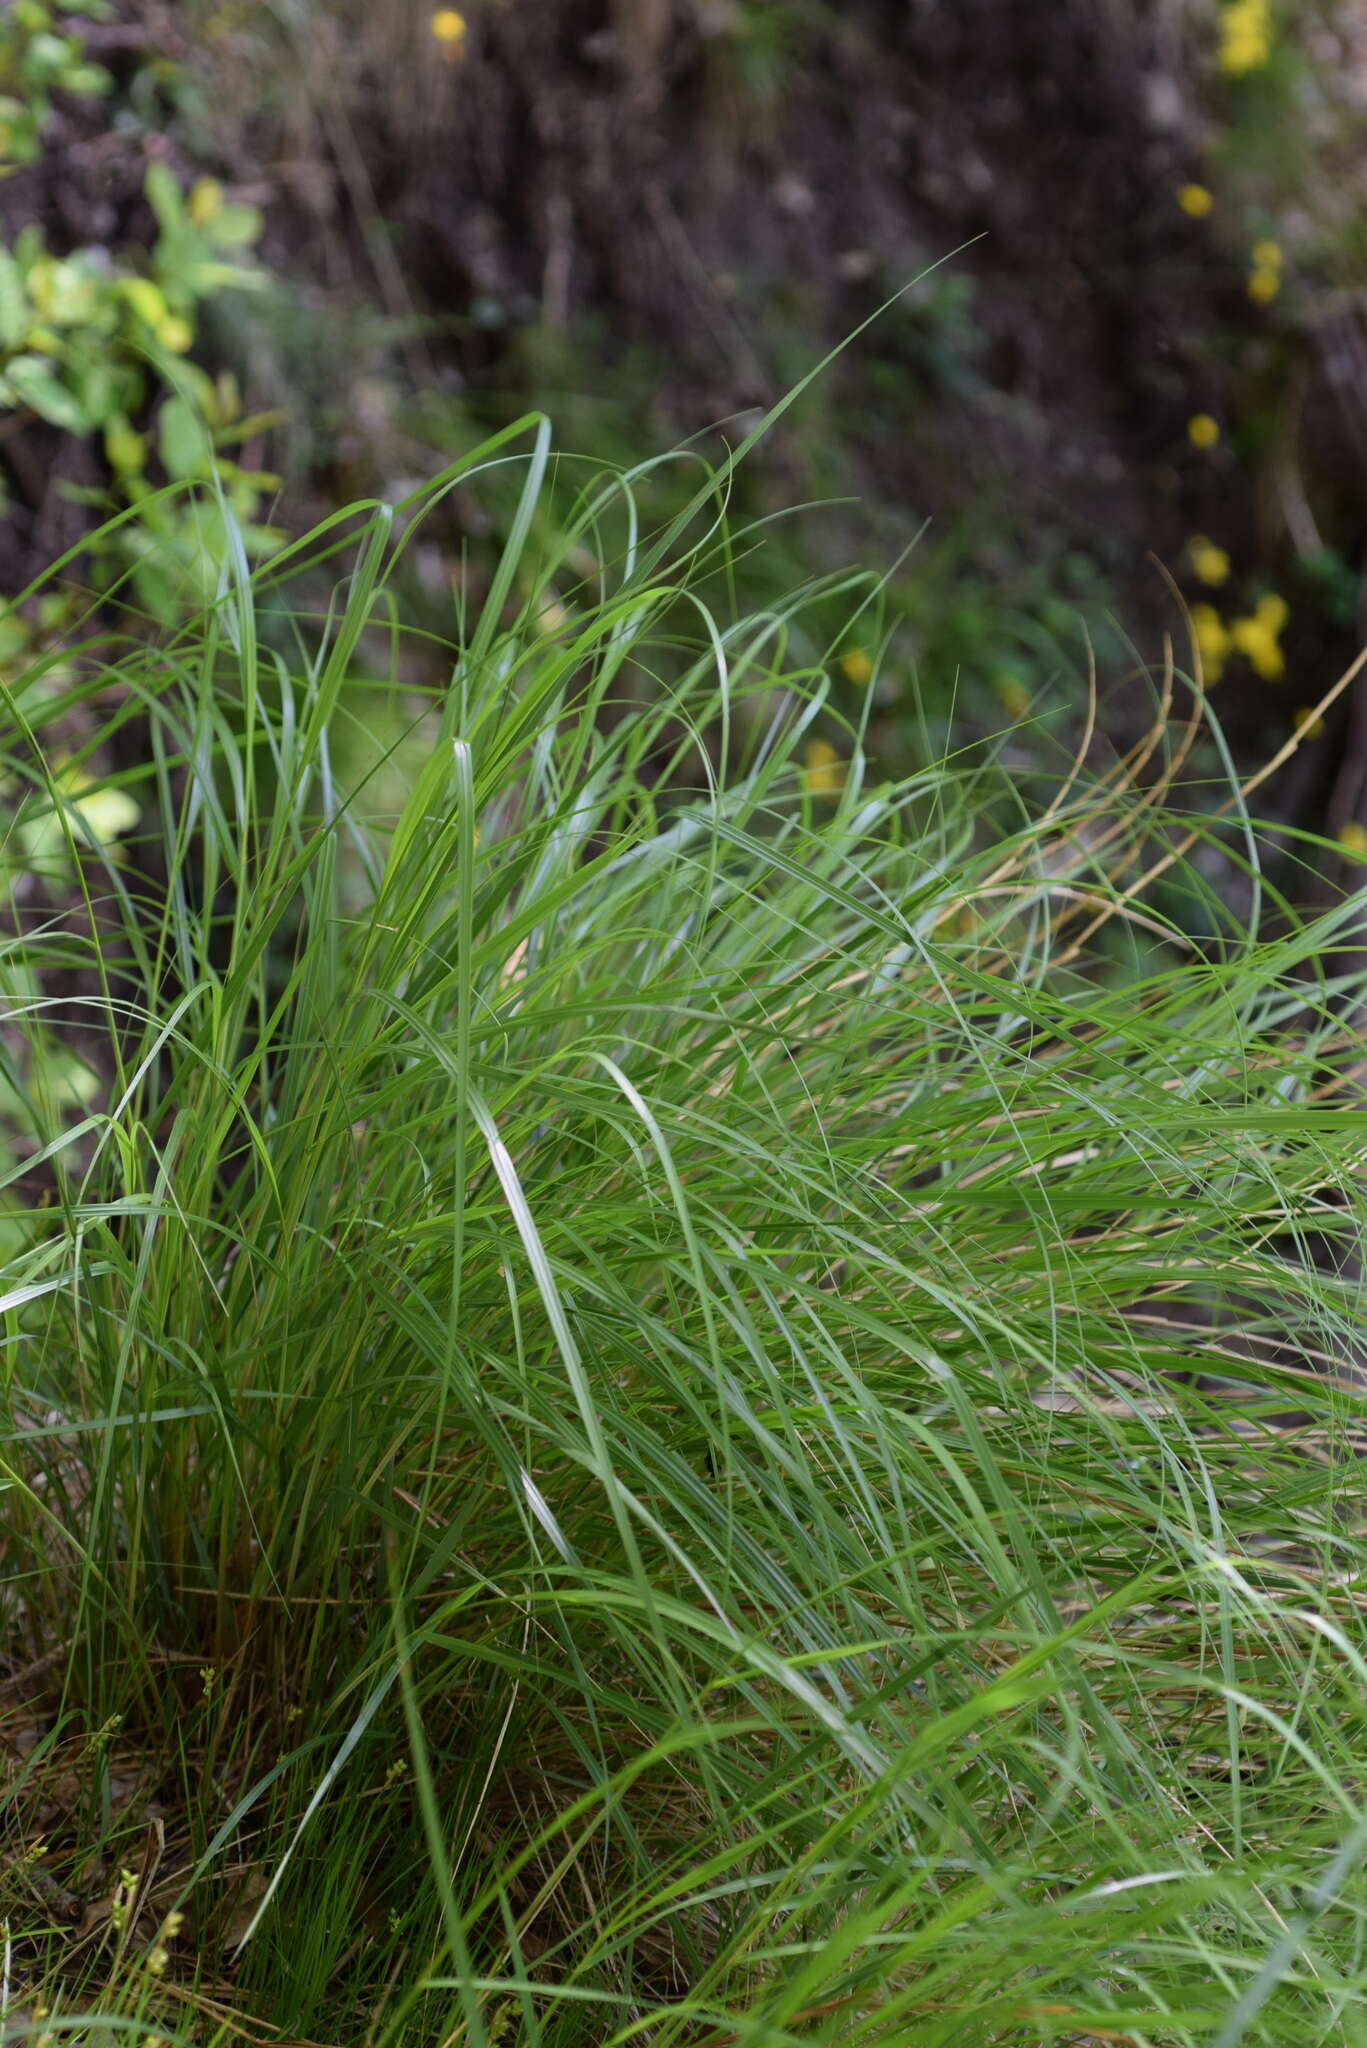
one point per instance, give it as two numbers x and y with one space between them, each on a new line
656 214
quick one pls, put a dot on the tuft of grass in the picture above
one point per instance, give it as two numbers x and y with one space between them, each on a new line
645 1408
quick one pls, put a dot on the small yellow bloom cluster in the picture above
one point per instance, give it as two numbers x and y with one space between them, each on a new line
1203 431
158 1956
205 202
1209 562
1265 274
1195 201
856 665
1245 36
448 27
1212 641
1305 719
121 1900
823 772
1257 638
1353 840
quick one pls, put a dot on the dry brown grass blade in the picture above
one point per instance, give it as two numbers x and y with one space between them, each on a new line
1231 803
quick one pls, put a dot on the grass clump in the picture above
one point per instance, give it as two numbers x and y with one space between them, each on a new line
643 1410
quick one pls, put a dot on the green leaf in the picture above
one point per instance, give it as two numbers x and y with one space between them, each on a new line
163 196
96 385
90 79
203 278
236 227
29 244
14 307
183 440
18 132
145 298
48 57
39 388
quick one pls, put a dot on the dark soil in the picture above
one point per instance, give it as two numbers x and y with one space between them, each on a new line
581 173
730 190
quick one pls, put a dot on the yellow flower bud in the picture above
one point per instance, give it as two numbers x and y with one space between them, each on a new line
1015 698
1257 636
1212 641
823 772
1209 562
1245 36
205 202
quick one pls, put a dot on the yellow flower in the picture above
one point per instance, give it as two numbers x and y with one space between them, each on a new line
856 665
205 202
1353 839
1212 641
448 27
1209 563
1195 201
1257 636
1265 277
1245 36
824 771
1306 720
1203 431
1015 698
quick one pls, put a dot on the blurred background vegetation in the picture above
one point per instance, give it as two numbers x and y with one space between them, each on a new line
1122 393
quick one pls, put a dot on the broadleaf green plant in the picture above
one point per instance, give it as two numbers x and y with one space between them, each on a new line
42 51
98 347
